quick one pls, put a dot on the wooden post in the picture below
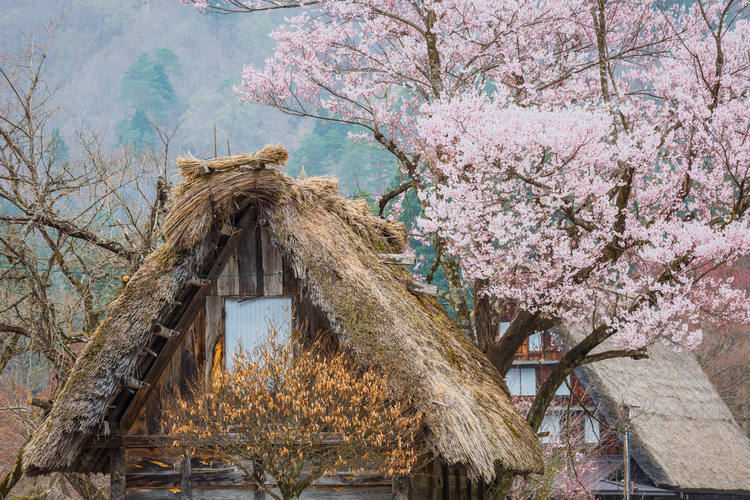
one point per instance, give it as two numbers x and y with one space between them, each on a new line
419 287
435 480
117 473
214 329
273 270
446 482
400 487
186 489
459 483
398 259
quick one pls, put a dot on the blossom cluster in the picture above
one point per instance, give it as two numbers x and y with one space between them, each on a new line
590 161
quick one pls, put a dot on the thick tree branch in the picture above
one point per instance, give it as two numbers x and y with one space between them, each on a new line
73 231
13 476
522 325
387 197
17 329
615 353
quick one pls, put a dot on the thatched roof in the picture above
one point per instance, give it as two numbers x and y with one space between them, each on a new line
684 436
332 245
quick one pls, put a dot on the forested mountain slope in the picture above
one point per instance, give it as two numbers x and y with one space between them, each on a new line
122 68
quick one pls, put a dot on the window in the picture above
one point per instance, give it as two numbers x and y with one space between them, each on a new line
535 342
550 424
248 321
513 379
503 328
590 430
563 389
521 381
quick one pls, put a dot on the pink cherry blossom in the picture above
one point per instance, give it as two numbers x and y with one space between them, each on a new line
589 160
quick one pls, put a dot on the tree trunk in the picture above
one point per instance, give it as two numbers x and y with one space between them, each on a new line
456 293
486 320
500 487
400 487
12 477
83 486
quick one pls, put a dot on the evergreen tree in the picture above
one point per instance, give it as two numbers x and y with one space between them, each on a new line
328 150
147 88
137 131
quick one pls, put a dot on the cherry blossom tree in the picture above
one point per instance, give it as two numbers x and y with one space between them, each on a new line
578 162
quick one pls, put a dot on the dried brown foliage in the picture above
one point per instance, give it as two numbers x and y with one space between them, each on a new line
297 415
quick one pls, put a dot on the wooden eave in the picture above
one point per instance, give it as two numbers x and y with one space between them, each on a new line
127 402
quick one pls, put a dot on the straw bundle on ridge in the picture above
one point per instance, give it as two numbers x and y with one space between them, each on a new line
271 155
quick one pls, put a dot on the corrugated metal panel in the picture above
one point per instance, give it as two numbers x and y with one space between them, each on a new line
248 322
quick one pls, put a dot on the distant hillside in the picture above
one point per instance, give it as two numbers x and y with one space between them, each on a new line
102 48
98 40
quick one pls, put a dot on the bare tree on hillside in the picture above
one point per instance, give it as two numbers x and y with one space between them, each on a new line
72 222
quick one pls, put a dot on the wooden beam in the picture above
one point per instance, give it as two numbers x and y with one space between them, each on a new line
166 441
117 474
228 282
134 383
273 269
400 487
213 330
402 259
436 480
227 229
184 321
163 331
419 287
45 404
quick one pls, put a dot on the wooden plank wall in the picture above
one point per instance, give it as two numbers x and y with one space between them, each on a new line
255 269
436 481
549 350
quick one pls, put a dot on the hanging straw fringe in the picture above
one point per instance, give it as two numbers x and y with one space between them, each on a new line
193 167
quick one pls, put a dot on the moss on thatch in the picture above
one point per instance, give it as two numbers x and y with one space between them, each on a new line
332 244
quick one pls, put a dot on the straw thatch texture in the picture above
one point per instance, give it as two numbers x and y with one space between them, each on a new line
110 356
332 244
472 419
683 434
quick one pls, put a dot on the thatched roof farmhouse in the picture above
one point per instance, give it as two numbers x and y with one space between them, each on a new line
684 437
310 244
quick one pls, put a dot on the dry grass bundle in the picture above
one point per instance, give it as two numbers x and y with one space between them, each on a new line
203 203
684 435
200 204
269 155
368 306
